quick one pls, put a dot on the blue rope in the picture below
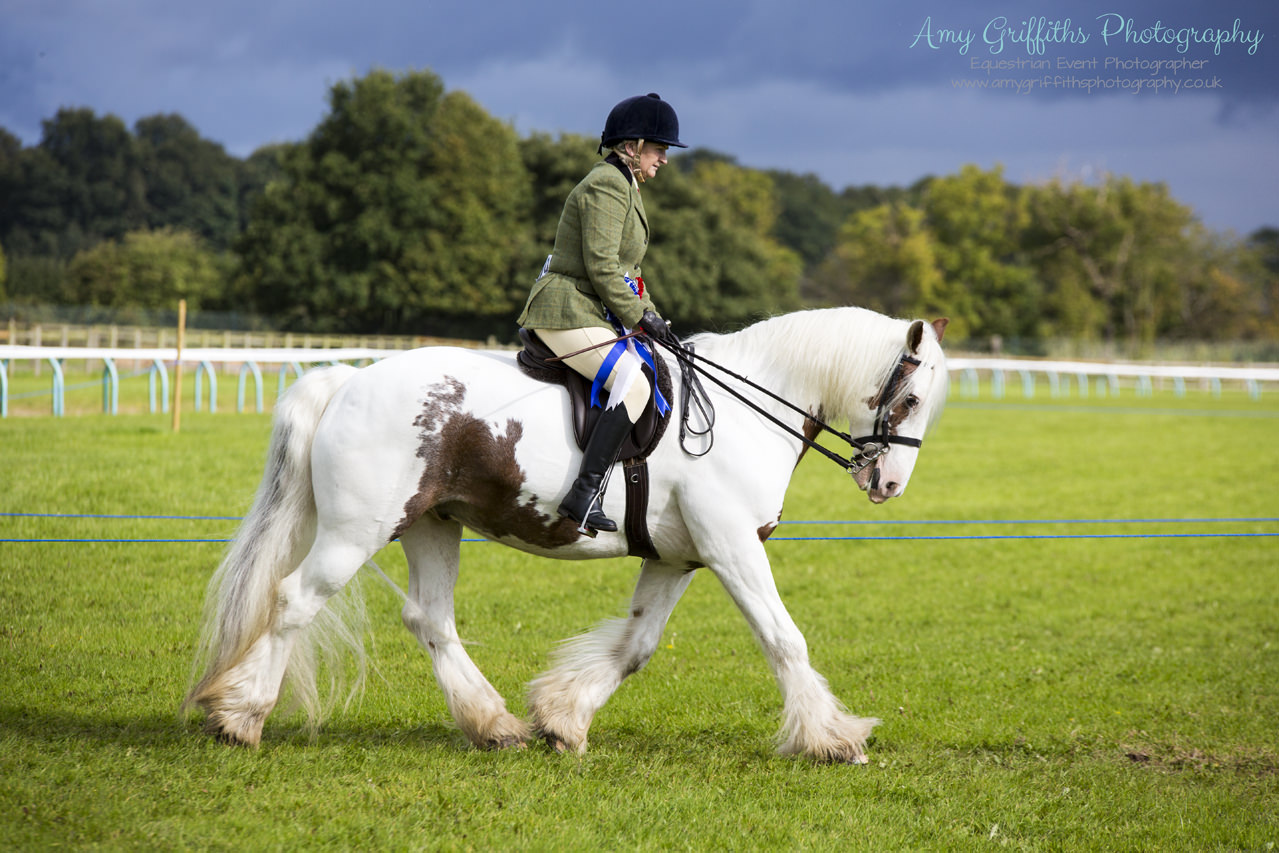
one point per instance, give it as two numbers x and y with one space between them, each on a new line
970 538
788 538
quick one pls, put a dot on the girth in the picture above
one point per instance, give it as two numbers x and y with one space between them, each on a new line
534 360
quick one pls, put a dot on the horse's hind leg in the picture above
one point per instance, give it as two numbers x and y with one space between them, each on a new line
432 547
239 700
589 668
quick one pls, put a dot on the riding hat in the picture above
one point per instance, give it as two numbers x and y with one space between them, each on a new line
645 117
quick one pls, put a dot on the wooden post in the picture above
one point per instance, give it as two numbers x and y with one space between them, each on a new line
177 367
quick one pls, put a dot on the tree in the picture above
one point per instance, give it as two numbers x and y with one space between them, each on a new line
987 286
885 259
1263 245
1225 290
149 269
253 175
33 219
10 182
191 184
809 214
554 167
403 211
97 177
1109 254
713 261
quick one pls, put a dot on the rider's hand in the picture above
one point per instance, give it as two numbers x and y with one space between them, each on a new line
657 328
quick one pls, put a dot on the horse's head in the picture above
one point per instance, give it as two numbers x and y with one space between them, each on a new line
907 402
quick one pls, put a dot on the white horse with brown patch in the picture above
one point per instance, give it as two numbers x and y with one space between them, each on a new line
418 445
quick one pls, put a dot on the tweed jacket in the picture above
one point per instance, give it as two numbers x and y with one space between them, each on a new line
602 235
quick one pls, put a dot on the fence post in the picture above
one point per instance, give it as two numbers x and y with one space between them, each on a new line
249 367
157 369
177 367
205 368
284 375
59 387
110 387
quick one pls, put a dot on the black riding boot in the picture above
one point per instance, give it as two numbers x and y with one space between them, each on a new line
582 503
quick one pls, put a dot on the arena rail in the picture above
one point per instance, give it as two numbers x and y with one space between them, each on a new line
160 361
1107 376
1101 378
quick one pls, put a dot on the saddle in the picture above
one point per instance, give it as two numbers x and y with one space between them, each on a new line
534 360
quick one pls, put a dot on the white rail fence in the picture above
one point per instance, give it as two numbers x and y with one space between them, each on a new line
1106 377
1059 377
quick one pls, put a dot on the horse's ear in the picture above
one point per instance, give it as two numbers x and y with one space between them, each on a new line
939 326
914 336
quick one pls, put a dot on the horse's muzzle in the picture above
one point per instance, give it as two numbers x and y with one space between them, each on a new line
869 479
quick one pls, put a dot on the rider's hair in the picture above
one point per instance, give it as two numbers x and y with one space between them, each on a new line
629 160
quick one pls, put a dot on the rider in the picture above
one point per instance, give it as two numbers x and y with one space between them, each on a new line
590 290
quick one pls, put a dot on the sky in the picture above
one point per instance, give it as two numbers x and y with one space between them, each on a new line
884 93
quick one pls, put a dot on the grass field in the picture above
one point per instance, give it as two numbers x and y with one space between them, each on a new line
1054 693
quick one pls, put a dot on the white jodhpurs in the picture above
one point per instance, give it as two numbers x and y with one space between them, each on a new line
588 363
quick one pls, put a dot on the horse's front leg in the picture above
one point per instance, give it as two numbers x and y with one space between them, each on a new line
814 722
587 670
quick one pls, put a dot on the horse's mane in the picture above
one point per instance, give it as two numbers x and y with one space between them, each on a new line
832 358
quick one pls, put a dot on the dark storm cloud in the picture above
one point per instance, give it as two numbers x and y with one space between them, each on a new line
852 92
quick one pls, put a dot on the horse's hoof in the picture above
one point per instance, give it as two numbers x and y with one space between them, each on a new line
555 742
229 738
507 742
843 758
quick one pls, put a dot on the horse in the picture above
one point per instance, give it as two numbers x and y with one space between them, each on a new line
418 445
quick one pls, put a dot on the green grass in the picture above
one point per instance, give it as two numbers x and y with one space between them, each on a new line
1037 694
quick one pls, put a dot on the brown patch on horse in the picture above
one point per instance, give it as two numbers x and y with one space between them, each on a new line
472 475
811 431
907 370
897 413
767 530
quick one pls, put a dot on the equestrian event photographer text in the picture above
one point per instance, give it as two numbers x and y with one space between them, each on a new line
1112 29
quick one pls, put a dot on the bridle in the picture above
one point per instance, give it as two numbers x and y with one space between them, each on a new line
868 449
883 424
883 434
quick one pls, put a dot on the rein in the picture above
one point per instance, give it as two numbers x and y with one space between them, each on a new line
601 345
869 448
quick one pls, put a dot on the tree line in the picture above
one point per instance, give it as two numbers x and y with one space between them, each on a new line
409 209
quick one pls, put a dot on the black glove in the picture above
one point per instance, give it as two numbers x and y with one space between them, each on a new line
657 328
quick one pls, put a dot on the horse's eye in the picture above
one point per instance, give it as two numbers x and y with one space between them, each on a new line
912 401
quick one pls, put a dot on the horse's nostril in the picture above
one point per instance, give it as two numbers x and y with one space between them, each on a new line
890 487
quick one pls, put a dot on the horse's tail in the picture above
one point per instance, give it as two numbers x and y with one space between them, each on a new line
275 535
